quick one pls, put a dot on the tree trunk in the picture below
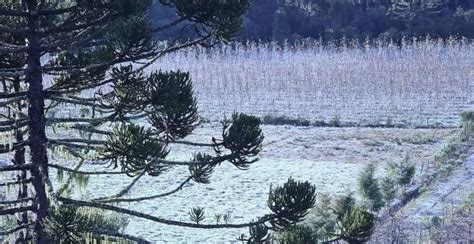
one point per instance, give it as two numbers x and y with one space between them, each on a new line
36 126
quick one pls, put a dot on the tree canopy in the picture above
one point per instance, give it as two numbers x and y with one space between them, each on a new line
76 83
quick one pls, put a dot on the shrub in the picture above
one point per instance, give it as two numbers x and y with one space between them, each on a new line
467 123
389 189
71 224
335 121
403 171
299 234
369 188
284 120
356 226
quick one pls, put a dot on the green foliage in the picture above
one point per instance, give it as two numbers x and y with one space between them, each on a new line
467 117
369 188
284 120
332 220
69 224
201 173
197 215
323 217
291 202
258 234
299 234
243 137
133 148
335 121
223 17
343 204
389 189
356 225
403 171
467 123
128 90
173 109
130 37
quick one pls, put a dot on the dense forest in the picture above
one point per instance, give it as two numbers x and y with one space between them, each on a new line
335 19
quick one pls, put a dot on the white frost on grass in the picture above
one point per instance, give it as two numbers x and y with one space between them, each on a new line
330 158
446 195
420 84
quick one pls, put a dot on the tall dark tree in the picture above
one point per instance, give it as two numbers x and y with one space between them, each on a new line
92 55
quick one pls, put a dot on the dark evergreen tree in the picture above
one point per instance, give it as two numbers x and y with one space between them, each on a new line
356 225
92 55
369 188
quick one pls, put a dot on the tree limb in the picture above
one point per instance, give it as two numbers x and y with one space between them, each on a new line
15 167
123 191
138 199
80 203
13 230
15 182
10 211
22 200
85 172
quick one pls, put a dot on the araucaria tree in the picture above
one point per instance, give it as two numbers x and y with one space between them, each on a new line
90 57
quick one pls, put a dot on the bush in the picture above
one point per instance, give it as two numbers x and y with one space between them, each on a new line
335 121
467 123
284 120
299 234
403 171
369 188
356 225
71 224
389 189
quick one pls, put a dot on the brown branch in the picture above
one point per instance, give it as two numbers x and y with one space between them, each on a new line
55 90
120 235
64 28
14 126
71 145
85 172
11 73
80 203
15 146
91 120
12 95
10 211
169 25
13 230
138 199
91 129
15 167
78 102
12 49
16 182
70 178
12 100
57 11
15 13
123 191
7 202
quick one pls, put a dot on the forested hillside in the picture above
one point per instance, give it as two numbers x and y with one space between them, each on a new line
334 19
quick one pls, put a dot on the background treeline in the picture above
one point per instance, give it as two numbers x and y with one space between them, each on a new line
334 19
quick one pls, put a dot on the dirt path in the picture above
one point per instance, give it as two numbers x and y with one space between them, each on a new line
445 194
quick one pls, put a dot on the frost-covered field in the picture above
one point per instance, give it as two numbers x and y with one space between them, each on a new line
330 158
420 84
417 85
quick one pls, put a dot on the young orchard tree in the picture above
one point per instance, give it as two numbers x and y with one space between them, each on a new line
91 55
